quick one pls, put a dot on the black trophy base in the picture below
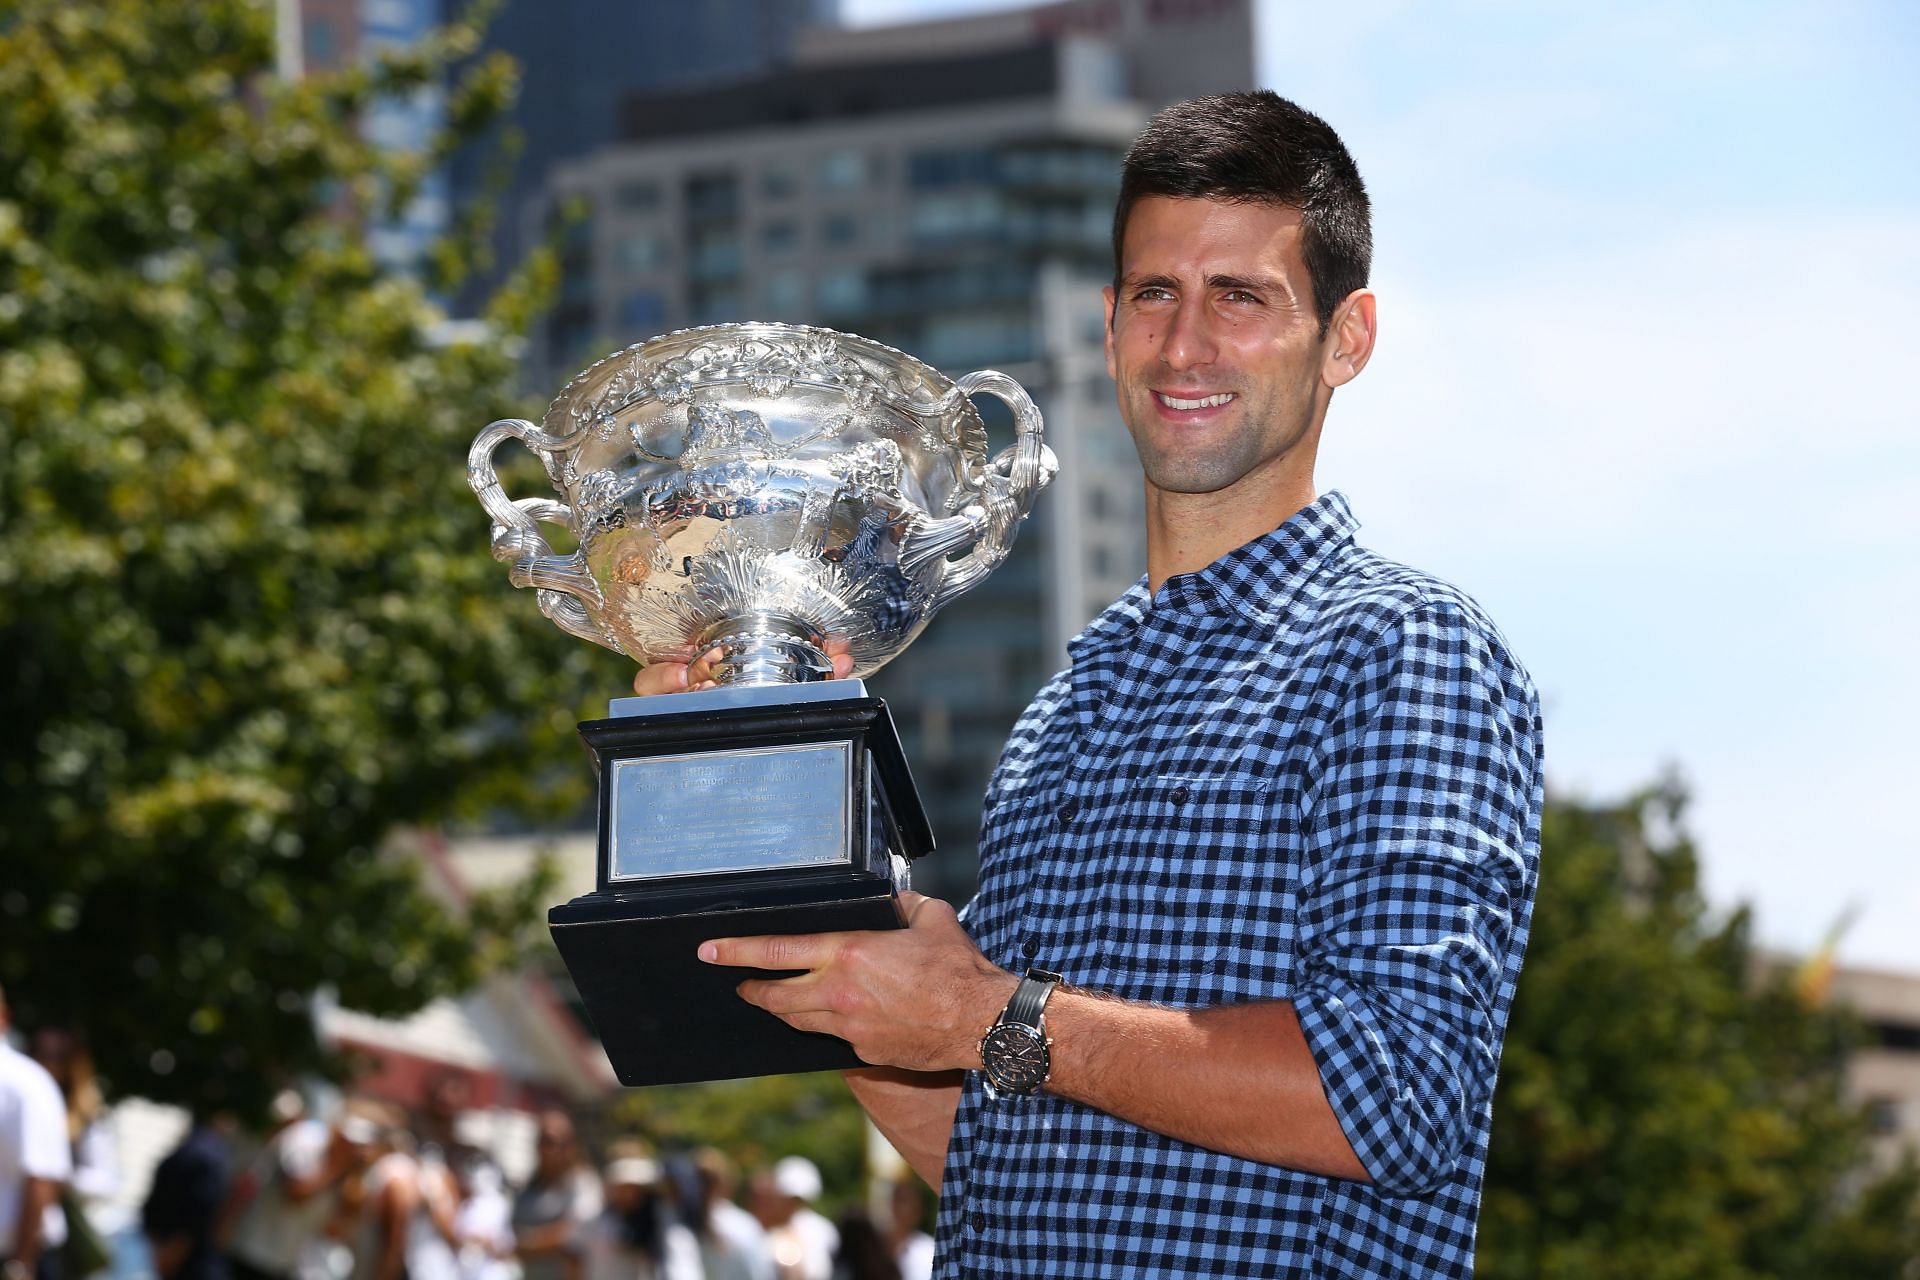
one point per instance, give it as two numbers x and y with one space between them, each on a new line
663 1015
667 1017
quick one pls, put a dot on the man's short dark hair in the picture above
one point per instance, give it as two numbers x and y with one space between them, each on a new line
1259 148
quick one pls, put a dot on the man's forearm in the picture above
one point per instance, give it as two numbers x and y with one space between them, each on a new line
1238 1079
913 1110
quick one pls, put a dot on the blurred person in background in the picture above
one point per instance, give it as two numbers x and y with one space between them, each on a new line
637 1237
254 1170
863 1252
298 1188
403 1212
182 1209
436 1130
36 1159
483 1222
733 1244
802 1241
96 1157
552 1210
910 1245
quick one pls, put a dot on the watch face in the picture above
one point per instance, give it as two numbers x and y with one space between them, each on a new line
1015 1057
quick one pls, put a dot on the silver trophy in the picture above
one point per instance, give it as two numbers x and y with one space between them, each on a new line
783 495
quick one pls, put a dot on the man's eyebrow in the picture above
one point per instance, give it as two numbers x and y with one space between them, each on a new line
1155 281
1256 284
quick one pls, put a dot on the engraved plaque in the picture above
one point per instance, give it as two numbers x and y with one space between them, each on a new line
736 810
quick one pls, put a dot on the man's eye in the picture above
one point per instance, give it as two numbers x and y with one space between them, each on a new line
1240 295
1152 295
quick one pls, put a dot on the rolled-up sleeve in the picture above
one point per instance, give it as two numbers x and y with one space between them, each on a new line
1420 819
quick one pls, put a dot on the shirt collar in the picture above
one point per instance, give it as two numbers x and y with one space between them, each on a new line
1256 579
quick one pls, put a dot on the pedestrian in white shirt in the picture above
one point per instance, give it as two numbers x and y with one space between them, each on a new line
36 1160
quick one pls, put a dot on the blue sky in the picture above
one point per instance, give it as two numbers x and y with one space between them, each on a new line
1650 304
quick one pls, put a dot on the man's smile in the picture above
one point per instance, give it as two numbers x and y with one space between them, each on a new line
1170 401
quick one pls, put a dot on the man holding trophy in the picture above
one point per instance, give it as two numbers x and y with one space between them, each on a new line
1257 868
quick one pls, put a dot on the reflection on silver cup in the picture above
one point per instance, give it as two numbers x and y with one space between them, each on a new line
779 492
786 495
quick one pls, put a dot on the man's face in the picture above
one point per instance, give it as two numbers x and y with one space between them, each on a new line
1213 343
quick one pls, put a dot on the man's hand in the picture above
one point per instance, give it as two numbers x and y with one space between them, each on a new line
682 677
918 997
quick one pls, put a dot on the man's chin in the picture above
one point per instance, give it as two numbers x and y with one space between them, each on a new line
1188 477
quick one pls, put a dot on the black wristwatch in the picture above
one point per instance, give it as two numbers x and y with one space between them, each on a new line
1014 1052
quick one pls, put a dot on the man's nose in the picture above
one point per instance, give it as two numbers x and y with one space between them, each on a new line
1189 342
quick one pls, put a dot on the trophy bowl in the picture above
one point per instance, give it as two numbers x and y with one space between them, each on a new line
778 492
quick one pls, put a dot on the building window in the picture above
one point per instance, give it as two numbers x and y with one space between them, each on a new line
840 230
322 43
1883 1117
843 170
957 341
780 237
718 305
643 310
640 251
785 294
841 292
969 166
715 253
777 183
637 197
959 215
713 195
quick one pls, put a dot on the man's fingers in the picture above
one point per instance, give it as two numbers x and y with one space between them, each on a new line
668 676
700 671
783 996
924 910
776 951
842 665
660 677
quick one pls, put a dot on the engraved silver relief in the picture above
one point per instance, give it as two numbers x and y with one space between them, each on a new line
779 492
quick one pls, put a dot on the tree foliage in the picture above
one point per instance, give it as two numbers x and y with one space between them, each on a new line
248 620
1668 1105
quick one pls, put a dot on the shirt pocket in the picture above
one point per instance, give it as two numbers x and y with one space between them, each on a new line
1197 888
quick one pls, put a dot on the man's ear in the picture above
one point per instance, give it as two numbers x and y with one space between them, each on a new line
1349 342
1108 294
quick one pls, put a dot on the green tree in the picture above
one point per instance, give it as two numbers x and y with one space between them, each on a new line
1668 1106
248 620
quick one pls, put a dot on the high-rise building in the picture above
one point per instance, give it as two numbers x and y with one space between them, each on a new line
579 60
323 35
946 188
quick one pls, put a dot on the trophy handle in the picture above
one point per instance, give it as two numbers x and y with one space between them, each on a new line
1014 478
566 591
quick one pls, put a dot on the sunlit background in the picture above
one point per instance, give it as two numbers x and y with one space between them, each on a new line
294 765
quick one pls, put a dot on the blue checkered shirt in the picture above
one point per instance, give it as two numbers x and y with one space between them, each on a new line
1302 773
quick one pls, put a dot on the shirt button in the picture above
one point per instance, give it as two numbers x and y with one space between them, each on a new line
1030 948
977 1220
1067 812
1179 794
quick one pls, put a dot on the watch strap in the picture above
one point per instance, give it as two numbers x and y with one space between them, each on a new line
1029 1001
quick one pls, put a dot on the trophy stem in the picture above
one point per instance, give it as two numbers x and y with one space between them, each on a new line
767 648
